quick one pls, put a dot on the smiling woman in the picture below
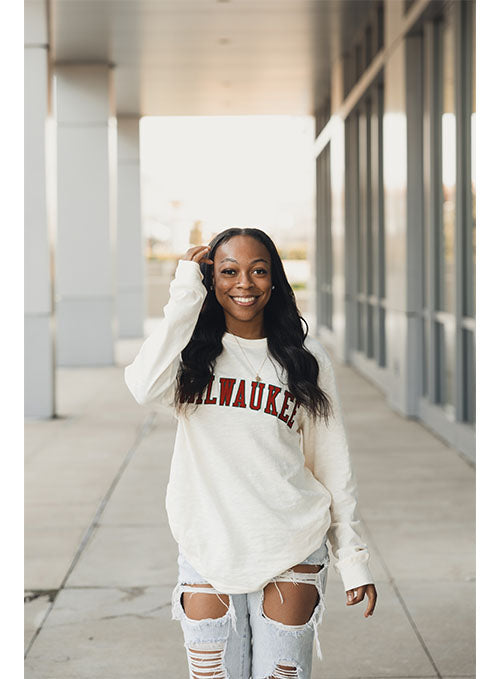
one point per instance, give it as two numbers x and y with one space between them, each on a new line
242 282
242 263
260 478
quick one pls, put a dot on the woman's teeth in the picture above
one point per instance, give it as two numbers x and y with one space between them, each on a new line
244 301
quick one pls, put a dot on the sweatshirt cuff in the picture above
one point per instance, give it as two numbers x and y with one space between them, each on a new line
356 575
188 270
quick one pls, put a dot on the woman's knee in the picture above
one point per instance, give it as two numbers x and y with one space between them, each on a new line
292 603
199 606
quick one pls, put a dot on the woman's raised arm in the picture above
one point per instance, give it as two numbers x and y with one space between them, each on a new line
152 374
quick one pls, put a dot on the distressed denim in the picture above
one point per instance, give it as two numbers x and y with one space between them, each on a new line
244 643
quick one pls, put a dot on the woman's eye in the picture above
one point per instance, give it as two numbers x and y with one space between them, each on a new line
230 272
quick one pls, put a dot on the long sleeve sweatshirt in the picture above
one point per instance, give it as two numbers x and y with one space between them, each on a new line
254 482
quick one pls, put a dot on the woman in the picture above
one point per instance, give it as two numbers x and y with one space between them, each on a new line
260 477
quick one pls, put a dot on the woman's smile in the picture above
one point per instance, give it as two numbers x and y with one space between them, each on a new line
244 300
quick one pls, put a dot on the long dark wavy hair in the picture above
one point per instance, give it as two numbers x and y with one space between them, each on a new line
284 331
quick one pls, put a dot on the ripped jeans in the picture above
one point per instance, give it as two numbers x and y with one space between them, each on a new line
245 643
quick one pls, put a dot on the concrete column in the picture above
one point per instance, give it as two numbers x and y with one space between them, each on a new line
130 303
38 309
86 176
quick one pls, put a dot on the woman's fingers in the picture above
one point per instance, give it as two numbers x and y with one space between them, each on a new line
198 254
371 593
201 256
354 596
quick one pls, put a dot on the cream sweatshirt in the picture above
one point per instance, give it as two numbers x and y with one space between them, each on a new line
254 483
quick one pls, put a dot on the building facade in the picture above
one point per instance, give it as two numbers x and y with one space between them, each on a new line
395 242
391 84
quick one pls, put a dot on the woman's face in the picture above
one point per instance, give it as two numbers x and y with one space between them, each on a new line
242 278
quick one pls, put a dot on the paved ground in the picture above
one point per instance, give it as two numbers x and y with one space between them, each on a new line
101 562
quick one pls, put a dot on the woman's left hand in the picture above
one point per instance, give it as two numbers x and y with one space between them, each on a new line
354 596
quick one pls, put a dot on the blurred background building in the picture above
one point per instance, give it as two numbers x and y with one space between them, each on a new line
388 263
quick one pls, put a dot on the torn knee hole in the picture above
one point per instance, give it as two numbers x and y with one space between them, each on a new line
290 603
285 672
207 662
203 605
307 568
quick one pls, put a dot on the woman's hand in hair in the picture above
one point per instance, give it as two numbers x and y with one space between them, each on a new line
198 254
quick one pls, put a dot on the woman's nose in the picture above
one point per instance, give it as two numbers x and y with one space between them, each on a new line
244 281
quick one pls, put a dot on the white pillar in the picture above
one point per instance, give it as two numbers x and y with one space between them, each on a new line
38 362
129 243
86 172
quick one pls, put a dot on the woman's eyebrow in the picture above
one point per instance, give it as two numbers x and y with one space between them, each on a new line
259 259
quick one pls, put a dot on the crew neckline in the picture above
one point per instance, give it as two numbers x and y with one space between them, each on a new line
244 340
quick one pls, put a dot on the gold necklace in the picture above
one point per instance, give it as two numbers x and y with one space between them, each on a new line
257 376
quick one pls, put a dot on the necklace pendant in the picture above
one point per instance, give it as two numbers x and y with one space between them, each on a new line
257 378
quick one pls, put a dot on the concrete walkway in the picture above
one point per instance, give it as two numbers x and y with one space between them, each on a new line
101 562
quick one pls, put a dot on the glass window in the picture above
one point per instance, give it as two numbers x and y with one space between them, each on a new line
424 326
358 61
447 223
380 25
380 184
369 331
369 287
446 300
367 199
381 336
368 45
361 326
359 189
470 245
469 344
445 365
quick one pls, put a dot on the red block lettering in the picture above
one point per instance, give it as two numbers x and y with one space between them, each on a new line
239 401
226 390
209 399
271 400
282 415
253 405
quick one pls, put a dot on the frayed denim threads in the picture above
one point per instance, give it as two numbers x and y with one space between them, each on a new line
245 643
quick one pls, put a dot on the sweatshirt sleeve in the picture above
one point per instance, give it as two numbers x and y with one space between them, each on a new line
152 375
327 456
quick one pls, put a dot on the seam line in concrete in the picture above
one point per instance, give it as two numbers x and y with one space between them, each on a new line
144 430
392 583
